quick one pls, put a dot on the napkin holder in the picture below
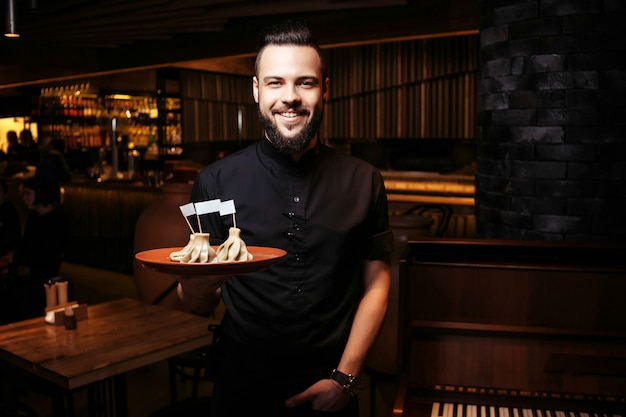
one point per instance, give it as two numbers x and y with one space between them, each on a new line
56 315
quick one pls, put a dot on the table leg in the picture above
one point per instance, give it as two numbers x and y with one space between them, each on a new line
108 398
58 403
63 403
121 396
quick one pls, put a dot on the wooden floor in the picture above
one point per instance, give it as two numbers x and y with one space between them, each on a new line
148 387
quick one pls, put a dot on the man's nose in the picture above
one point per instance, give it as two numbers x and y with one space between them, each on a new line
290 94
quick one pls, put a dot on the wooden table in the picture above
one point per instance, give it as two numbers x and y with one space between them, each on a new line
118 336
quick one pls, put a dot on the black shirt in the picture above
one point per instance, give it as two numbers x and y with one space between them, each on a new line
329 212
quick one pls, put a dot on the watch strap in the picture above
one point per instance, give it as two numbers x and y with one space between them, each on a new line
347 381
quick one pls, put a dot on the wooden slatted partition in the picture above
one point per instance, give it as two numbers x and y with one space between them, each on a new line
218 107
409 89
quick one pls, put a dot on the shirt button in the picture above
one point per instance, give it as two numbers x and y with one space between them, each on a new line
296 199
298 290
289 235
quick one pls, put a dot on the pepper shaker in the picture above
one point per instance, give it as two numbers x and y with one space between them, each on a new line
69 318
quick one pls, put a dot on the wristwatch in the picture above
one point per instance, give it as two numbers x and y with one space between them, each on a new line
350 384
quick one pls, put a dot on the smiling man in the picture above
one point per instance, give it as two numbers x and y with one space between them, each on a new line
294 337
290 89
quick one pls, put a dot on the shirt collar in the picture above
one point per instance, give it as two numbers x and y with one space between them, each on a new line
269 150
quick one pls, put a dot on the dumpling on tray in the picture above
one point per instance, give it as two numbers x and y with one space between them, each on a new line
197 250
233 249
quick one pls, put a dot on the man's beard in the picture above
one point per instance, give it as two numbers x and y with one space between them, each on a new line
289 145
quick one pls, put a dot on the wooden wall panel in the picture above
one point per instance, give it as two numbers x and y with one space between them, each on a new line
218 107
421 88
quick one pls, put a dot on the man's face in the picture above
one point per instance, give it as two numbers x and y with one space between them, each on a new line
290 94
28 196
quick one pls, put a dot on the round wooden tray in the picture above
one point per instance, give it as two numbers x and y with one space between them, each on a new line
159 260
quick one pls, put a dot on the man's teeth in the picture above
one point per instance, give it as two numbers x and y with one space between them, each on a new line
289 114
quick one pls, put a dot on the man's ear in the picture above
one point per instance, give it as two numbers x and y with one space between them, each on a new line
325 90
255 89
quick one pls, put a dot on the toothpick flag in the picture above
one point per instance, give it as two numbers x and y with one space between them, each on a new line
228 207
188 210
209 206
204 207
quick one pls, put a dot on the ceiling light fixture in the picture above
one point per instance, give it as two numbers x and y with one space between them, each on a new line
11 26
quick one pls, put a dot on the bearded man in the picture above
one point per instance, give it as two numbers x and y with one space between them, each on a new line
294 337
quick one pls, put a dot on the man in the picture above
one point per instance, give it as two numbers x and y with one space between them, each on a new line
15 150
40 253
46 232
294 338
10 226
52 161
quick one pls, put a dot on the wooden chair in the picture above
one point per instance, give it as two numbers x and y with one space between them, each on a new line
194 365
439 212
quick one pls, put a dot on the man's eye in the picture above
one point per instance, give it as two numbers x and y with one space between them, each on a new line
309 83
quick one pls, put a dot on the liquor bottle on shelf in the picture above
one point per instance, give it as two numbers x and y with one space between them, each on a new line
153 110
82 119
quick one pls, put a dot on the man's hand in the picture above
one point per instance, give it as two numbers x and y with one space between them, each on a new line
200 293
324 395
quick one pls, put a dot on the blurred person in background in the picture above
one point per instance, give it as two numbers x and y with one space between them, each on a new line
52 161
15 150
40 254
10 228
30 147
10 235
15 156
4 163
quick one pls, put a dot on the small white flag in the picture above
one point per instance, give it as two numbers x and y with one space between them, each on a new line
210 206
227 207
188 209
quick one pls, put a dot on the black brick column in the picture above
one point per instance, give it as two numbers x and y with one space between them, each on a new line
552 140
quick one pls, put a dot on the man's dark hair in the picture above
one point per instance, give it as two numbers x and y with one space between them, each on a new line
288 32
12 137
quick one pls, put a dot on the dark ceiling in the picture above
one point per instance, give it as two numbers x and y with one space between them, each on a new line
117 23
67 38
